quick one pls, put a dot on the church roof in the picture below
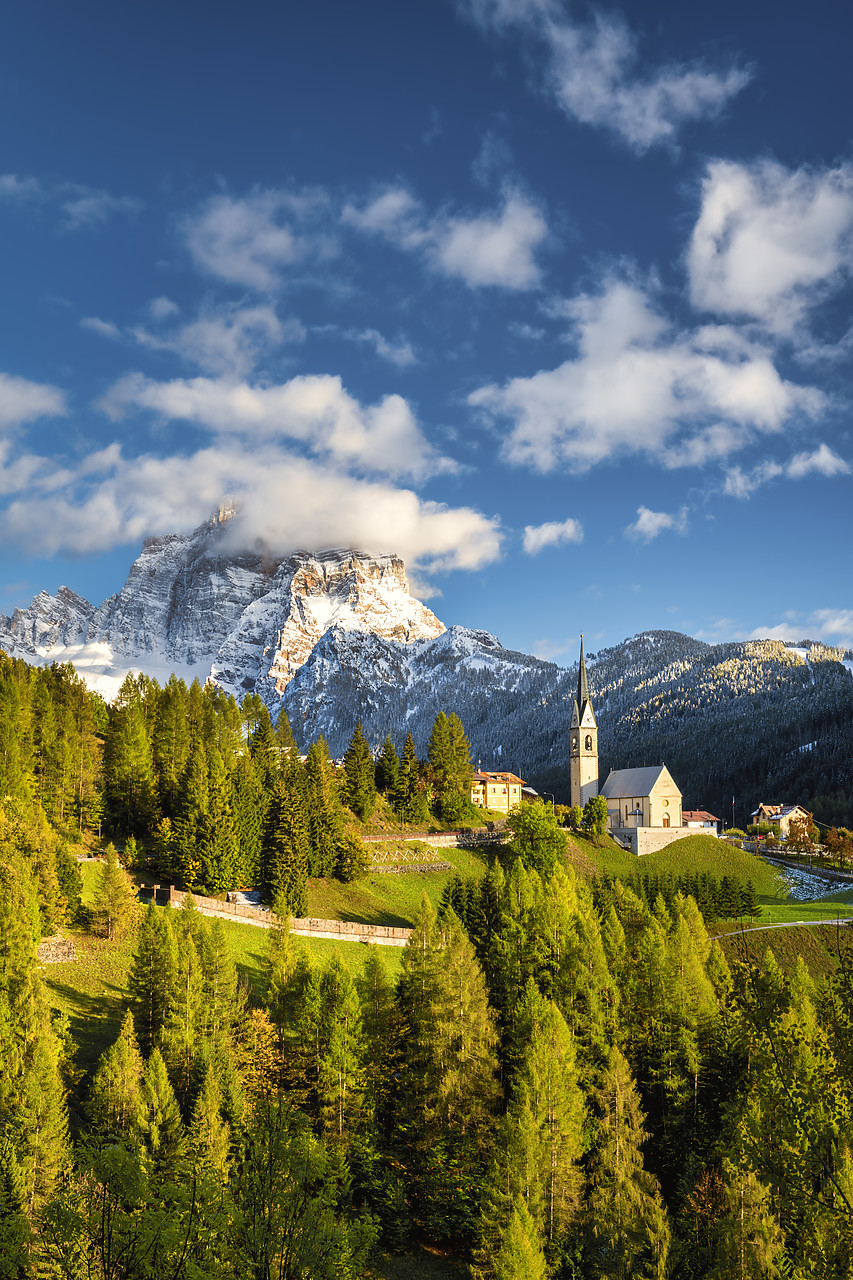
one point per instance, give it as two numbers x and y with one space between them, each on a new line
626 783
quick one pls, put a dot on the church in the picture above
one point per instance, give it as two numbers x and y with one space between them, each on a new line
643 805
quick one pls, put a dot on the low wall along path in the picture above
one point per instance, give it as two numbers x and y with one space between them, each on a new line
306 927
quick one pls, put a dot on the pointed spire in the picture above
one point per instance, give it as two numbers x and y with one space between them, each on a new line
583 687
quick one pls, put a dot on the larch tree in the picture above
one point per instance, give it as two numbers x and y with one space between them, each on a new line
628 1232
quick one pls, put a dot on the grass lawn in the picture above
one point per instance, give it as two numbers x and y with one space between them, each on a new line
819 947
92 990
390 899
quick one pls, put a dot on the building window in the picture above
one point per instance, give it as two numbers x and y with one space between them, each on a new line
588 742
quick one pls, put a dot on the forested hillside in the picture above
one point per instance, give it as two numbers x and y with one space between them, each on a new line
567 1080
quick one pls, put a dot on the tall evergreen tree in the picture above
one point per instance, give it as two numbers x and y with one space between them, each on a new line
360 776
628 1231
325 815
160 1121
114 1103
114 900
152 975
288 849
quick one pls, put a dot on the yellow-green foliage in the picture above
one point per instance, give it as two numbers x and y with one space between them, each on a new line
389 899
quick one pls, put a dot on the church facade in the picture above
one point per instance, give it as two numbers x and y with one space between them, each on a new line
643 805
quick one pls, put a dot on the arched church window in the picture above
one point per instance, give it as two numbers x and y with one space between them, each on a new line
588 743
574 744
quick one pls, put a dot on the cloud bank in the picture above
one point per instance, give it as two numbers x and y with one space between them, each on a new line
638 386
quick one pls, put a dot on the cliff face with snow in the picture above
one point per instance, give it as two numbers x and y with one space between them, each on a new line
191 605
335 637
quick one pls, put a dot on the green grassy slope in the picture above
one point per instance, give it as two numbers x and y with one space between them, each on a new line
389 899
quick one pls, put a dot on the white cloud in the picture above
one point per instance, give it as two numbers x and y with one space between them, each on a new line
83 206
832 626
162 308
821 461
103 328
552 534
23 401
227 340
770 241
250 241
400 354
491 249
649 524
286 502
636 386
591 71
314 410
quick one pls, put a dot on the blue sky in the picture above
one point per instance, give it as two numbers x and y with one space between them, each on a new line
553 300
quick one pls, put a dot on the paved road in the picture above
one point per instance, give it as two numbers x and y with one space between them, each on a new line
789 924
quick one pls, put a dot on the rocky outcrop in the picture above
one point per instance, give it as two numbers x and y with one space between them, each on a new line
245 620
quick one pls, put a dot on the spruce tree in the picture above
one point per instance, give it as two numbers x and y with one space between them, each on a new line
15 1235
325 815
208 1134
152 975
341 1076
411 801
360 775
387 770
288 848
520 1256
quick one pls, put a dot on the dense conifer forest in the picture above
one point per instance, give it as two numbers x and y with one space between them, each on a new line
567 1079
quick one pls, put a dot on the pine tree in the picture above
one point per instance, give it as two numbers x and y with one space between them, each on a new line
129 764
220 980
185 1020
341 1076
208 1136
465 1037
410 800
450 765
520 1256
547 1089
15 1236
360 777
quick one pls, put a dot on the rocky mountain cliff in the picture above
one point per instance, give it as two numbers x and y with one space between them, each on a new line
335 637
246 621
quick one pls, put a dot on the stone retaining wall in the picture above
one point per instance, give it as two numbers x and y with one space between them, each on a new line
466 838
649 839
340 930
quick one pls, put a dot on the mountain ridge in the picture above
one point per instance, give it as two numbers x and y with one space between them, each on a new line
335 637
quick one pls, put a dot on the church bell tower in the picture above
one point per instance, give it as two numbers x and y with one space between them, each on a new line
583 779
